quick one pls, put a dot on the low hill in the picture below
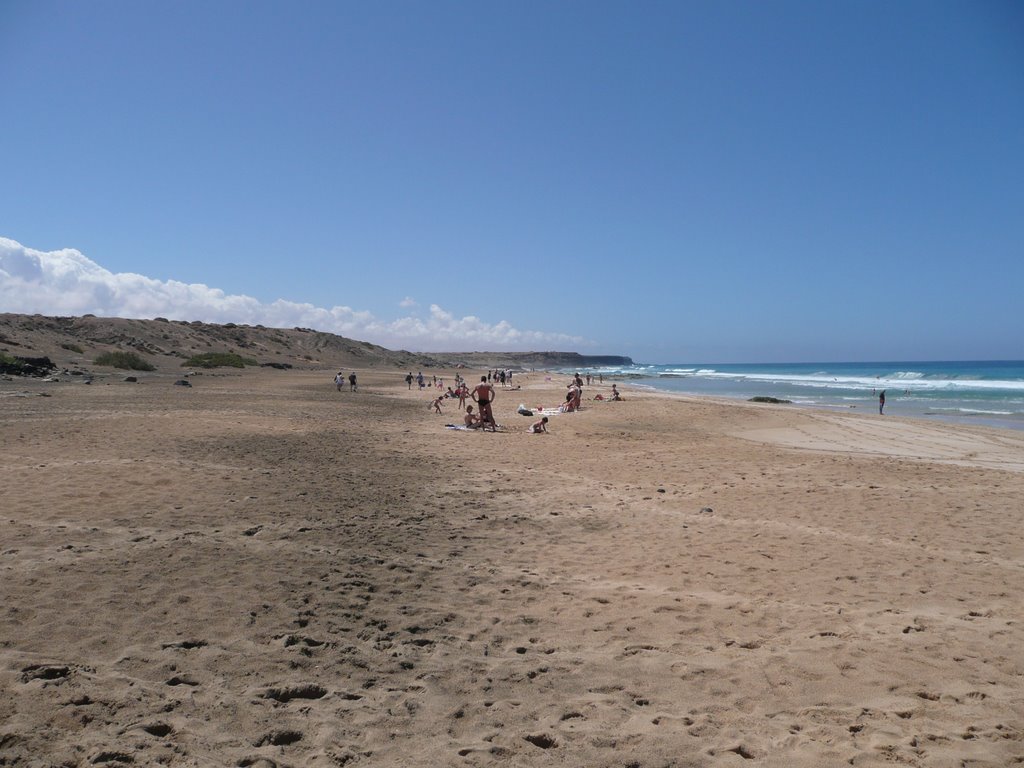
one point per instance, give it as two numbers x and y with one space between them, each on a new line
75 343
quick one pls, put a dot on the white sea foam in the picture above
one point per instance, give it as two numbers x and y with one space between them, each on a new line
865 382
981 411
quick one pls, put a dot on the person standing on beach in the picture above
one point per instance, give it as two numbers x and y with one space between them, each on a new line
408 379
483 395
352 381
339 380
881 402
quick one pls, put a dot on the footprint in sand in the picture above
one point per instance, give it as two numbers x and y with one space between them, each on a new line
185 645
47 672
182 680
278 738
542 740
284 695
160 730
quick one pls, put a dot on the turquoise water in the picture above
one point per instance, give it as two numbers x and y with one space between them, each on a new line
985 392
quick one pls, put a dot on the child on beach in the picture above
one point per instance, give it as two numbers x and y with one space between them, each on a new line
437 403
471 420
539 427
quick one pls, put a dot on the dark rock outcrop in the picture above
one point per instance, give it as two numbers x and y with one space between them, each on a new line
26 366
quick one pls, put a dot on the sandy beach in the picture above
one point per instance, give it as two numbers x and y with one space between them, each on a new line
259 570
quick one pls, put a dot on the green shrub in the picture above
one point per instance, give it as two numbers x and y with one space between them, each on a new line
73 348
218 360
127 360
9 364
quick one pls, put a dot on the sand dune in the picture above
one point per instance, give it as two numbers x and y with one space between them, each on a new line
262 571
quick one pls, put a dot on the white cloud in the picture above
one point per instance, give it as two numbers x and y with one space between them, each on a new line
408 303
65 282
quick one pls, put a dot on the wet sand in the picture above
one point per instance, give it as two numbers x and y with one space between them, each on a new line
260 570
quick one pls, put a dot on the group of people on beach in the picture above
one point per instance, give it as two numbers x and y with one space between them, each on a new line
422 382
339 381
483 395
501 376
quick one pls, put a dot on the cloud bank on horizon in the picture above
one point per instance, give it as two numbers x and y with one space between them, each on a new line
66 282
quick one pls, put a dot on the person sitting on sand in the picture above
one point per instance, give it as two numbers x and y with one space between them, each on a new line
539 427
615 393
471 420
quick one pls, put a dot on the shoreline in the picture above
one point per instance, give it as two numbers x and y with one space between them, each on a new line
966 418
261 568
960 392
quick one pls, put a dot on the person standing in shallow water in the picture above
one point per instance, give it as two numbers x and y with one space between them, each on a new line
881 402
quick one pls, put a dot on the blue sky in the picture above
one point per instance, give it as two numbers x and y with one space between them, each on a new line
675 181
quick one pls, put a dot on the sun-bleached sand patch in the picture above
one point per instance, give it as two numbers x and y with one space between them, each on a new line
904 438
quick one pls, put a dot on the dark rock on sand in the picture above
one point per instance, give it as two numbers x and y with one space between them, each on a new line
26 366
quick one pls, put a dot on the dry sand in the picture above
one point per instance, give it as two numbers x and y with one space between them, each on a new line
262 571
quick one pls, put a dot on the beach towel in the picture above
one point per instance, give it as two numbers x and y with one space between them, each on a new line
547 411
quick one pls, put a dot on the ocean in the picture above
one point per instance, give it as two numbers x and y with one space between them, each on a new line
986 392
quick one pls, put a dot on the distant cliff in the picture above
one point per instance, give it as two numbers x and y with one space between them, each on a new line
76 341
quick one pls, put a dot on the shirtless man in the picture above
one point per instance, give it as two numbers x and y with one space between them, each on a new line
483 395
